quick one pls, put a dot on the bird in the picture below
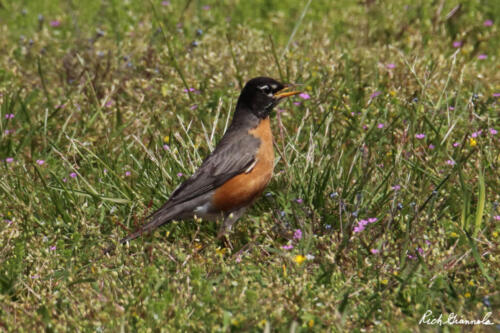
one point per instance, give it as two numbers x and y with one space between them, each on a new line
238 170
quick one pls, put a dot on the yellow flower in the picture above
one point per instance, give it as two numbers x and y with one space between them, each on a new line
392 93
495 234
310 323
472 142
471 283
299 259
395 273
262 323
284 270
467 294
220 251
384 281
454 234
166 139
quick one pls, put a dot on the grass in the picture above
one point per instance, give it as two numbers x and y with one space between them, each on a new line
400 130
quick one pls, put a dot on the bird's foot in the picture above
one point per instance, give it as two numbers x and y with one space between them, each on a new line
225 239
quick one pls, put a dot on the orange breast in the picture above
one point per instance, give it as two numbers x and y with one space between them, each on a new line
241 190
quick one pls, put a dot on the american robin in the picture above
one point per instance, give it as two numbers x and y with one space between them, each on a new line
237 171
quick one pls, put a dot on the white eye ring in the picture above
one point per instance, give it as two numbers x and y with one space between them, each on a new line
266 90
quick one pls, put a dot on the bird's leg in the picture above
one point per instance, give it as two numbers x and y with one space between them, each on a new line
227 224
223 231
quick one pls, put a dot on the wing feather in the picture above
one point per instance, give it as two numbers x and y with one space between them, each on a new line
234 154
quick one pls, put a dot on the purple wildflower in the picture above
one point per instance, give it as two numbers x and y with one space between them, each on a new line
372 220
375 94
64 180
390 66
493 131
180 174
296 103
193 107
420 251
496 94
127 173
8 221
9 116
40 162
72 175
431 146
105 171
359 228
109 103
374 251
165 3
53 248
482 56
457 44
420 136
297 234
456 144
488 23
304 95
410 256
496 217
396 187
428 242
9 159
299 200
451 108
55 23
206 7
380 125
166 147
287 247
238 259
450 162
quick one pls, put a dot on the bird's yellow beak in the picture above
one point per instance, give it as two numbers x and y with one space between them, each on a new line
285 92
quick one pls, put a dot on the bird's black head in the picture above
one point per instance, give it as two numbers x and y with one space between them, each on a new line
261 94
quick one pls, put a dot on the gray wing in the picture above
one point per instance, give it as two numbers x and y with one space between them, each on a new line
234 154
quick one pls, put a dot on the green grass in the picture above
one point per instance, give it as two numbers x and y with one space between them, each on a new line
100 95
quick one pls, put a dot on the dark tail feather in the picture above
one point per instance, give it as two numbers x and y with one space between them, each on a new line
160 217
